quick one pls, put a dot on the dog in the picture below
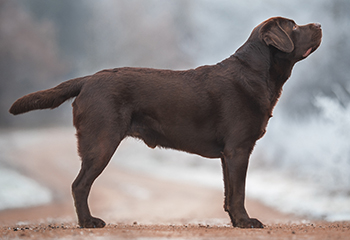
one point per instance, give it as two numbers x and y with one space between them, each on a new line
216 111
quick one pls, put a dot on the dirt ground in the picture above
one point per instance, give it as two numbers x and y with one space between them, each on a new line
181 231
137 206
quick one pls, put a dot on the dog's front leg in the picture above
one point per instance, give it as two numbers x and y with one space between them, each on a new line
235 164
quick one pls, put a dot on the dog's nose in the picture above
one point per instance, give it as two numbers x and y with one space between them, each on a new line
317 25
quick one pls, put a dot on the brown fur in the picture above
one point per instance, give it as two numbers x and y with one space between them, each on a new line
217 111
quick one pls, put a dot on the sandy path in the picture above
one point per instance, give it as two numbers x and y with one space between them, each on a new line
159 208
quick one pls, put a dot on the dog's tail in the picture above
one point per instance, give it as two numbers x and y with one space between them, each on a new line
50 98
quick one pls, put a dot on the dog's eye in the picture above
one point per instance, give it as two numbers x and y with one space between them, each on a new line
295 27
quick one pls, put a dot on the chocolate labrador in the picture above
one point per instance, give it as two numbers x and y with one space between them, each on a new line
216 111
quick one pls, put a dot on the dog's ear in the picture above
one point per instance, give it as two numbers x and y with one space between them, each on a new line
273 34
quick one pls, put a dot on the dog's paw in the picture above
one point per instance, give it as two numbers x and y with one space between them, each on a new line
248 223
92 223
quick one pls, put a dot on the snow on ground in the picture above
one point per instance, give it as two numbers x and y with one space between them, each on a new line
18 191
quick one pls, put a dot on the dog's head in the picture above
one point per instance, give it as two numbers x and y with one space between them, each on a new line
291 40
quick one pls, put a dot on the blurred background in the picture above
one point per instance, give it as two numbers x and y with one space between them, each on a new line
302 165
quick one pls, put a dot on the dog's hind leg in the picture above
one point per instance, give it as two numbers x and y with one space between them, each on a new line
94 161
96 152
99 133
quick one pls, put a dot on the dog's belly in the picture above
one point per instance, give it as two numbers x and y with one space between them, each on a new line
184 138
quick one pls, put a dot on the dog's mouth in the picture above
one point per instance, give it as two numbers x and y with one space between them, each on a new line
311 50
316 41
307 53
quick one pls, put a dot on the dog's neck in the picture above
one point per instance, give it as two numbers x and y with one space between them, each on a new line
273 74
280 71
264 60
255 56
